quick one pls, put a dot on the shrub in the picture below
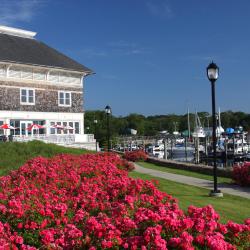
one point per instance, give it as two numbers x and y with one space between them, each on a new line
241 174
126 165
86 202
137 155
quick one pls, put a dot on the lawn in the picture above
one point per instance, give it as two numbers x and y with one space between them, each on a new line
183 172
15 154
229 207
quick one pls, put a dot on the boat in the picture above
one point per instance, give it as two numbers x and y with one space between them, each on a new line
237 143
198 130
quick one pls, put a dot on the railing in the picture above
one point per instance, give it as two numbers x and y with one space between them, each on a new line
90 138
57 139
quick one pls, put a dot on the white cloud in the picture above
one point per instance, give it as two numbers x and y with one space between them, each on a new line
160 9
198 58
93 52
124 48
14 11
113 48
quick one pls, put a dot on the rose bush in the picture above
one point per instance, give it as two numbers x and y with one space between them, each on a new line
241 174
88 202
137 155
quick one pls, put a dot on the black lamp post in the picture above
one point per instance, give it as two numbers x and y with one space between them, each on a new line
108 113
95 123
212 74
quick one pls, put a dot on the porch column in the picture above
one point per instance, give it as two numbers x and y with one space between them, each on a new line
82 125
47 125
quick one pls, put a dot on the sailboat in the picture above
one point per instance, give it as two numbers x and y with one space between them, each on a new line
219 129
198 130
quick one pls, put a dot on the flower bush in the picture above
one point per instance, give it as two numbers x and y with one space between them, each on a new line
88 202
137 155
241 174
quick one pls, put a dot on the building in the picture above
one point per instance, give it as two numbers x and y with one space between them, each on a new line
39 85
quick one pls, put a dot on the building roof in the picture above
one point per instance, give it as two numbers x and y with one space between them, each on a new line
17 49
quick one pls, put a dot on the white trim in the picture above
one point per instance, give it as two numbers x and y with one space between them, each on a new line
44 67
55 90
17 32
76 75
10 79
31 115
27 96
48 117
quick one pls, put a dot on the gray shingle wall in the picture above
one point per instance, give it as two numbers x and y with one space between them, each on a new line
46 99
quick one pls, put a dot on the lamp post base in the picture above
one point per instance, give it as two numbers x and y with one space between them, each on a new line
217 193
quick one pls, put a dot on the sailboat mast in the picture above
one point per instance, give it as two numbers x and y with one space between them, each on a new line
188 125
219 118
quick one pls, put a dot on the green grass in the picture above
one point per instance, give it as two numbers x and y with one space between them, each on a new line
183 172
229 207
15 154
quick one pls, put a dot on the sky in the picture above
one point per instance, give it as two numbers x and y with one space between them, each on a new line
149 56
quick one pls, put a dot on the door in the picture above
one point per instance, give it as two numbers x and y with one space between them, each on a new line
23 127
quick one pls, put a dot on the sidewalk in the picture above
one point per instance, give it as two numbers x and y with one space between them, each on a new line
225 188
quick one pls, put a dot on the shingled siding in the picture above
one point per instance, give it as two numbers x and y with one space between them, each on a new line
46 100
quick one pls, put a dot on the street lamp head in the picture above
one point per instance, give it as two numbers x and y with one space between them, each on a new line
107 110
212 71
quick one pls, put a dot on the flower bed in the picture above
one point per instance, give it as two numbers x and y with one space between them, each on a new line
137 155
87 202
241 174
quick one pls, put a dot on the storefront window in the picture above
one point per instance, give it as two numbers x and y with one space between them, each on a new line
15 124
52 130
65 131
77 128
71 131
59 131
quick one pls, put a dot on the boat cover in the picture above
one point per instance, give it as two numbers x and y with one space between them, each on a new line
229 130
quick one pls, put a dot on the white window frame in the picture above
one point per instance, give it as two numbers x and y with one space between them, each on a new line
27 96
64 94
62 131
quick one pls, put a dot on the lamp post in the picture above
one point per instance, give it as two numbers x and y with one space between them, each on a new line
95 123
212 74
108 113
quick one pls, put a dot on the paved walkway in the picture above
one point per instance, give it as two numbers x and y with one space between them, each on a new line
225 188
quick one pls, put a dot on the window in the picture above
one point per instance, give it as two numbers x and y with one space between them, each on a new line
77 129
65 127
69 78
26 74
53 77
2 71
27 96
39 75
15 72
1 130
16 124
64 98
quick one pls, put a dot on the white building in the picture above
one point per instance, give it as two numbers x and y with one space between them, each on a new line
39 85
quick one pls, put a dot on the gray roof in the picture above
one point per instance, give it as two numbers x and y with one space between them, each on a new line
33 52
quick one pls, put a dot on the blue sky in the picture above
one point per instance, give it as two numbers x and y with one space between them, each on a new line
150 56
